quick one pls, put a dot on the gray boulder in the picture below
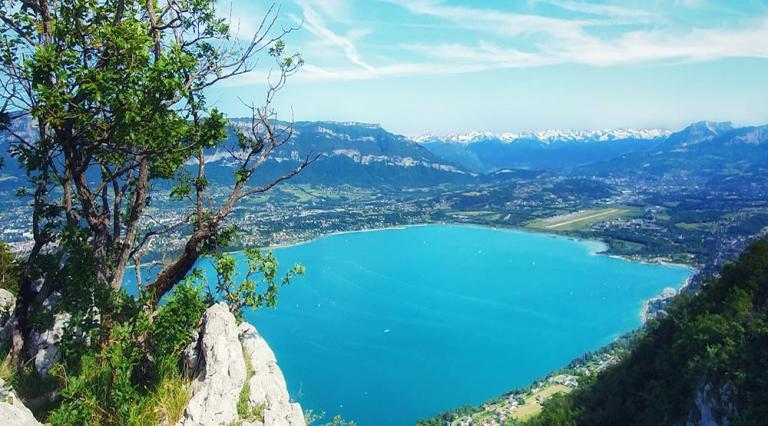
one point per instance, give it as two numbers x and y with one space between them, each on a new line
216 364
44 346
12 411
267 386
7 304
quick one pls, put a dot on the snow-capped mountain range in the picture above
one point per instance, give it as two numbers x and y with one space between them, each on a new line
367 154
547 136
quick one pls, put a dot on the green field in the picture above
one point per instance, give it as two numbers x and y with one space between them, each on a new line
583 219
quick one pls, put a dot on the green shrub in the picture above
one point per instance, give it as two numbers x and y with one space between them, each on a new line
10 271
244 409
118 382
176 320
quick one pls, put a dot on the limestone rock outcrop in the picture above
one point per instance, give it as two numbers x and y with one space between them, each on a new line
216 361
44 346
267 386
7 304
713 406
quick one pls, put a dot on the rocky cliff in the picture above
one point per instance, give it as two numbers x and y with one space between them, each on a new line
235 377
233 373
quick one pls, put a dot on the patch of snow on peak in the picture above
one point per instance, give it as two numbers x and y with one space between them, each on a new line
343 124
547 136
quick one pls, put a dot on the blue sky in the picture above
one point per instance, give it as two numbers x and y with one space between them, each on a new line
444 66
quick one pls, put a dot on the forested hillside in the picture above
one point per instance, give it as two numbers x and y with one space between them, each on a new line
705 362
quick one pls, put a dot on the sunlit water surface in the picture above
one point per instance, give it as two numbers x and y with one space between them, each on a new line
391 326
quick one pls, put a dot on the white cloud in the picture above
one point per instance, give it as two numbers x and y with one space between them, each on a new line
605 10
493 21
556 41
630 48
690 3
313 73
314 23
336 10
570 42
695 45
493 56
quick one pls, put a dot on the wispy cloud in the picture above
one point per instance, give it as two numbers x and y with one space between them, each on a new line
630 48
487 54
492 39
336 10
695 45
603 10
314 73
570 41
488 20
315 24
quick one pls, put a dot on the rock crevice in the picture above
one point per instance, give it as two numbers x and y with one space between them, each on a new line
267 386
215 362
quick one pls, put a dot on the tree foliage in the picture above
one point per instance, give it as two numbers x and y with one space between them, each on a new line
117 91
257 287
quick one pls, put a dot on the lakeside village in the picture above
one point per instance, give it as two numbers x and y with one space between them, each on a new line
669 221
638 221
646 222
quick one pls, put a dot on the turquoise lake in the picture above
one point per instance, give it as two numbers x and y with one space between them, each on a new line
390 326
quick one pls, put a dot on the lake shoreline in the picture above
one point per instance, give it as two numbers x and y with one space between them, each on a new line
597 247
488 290
373 329
604 249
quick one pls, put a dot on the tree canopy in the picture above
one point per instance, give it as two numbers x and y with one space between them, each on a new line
117 91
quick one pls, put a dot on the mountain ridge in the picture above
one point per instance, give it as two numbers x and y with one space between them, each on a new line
701 150
545 136
368 154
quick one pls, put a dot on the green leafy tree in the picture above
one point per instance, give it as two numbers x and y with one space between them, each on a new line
257 287
117 91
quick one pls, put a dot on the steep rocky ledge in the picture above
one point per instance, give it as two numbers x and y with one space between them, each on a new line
230 364
235 379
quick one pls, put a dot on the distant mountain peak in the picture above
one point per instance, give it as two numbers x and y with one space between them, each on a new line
713 127
699 132
547 136
340 124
